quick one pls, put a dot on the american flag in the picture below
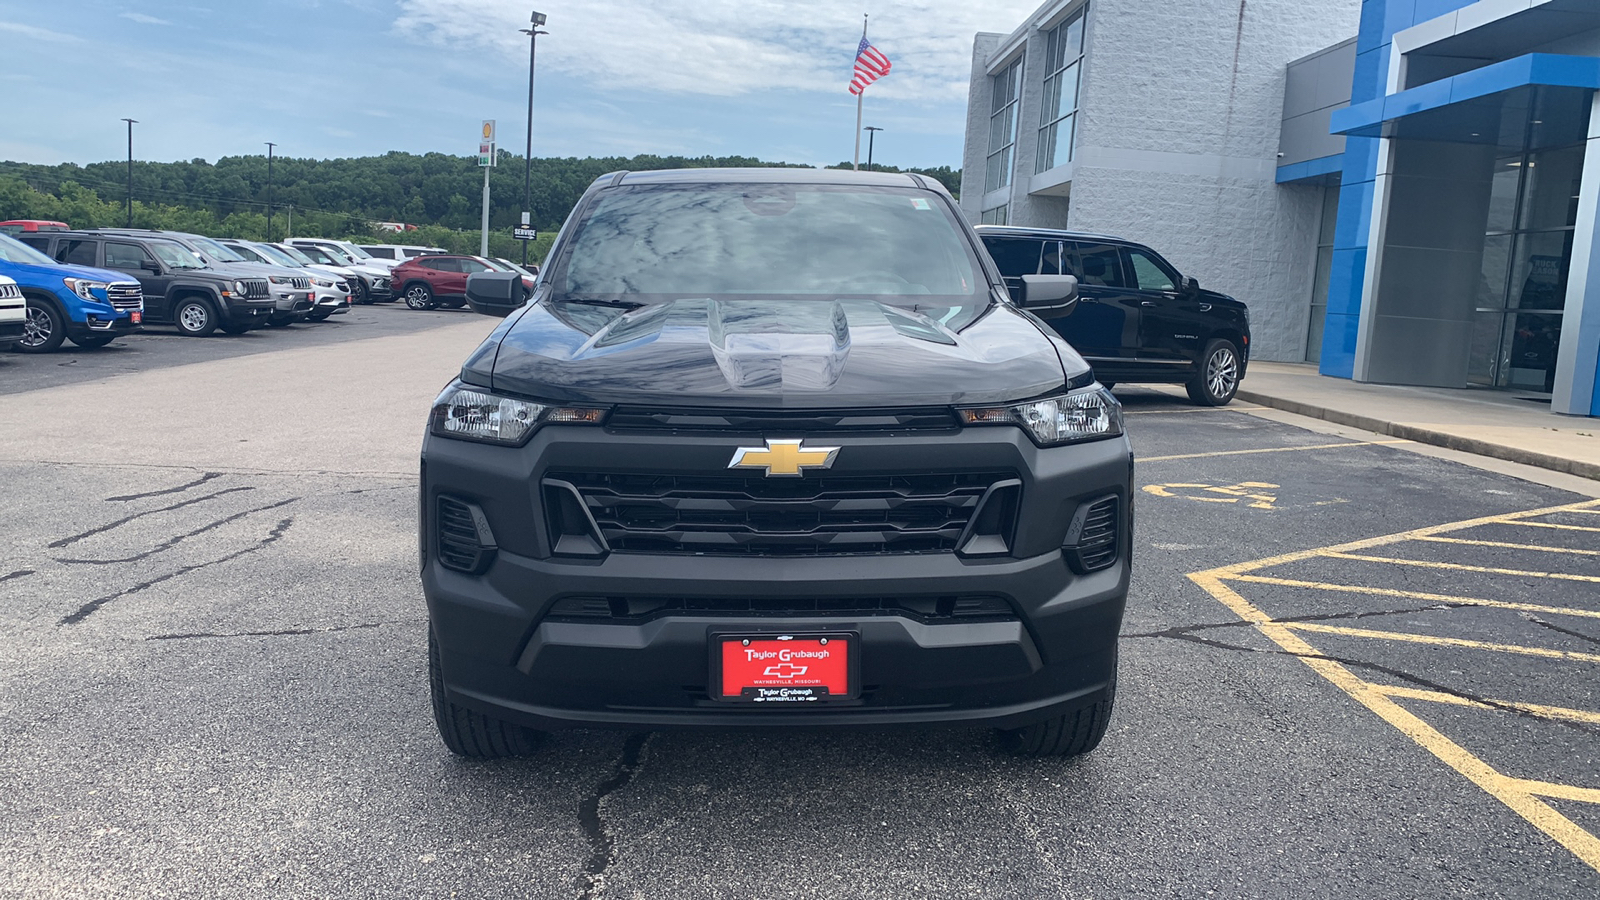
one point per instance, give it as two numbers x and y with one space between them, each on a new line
871 65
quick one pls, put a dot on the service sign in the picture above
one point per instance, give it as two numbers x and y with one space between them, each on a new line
524 233
787 669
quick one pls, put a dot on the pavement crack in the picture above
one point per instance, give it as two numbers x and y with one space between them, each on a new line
178 539
1186 633
56 545
88 609
20 573
286 632
172 490
1535 620
1182 631
592 883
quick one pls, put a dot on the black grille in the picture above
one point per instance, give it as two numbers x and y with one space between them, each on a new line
459 545
255 288
782 422
753 515
636 609
1096 547
125 296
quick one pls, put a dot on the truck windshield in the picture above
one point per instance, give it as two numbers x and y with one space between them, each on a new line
216 251
274 255
15 251
174 255
801 241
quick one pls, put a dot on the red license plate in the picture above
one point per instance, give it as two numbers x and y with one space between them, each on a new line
798 669
138 317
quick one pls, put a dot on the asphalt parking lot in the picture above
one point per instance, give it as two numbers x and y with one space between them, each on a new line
1349 669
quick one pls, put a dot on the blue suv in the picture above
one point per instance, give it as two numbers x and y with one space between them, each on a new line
90 306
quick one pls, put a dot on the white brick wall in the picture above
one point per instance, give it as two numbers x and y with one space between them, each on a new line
1180 113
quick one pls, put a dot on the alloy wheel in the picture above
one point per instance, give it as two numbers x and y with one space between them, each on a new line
1222 372
37 328
192 317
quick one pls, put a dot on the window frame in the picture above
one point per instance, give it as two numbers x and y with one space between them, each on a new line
1058 60
1001 160
148 257
1128 268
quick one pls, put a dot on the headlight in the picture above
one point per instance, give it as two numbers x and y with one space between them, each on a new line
321 283
280 279
1082 415
239 286
473 415
85 289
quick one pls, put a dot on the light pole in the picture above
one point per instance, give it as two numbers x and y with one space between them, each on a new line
270 145
131 123
872 132
533 32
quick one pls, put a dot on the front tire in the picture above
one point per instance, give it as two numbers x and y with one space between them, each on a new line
1218 378
93 341
419 296
469 733
359 292
195 317
1073 734
43 328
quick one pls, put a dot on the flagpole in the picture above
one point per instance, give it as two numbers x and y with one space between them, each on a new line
855 162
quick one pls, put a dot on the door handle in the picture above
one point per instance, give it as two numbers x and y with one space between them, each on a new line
1088 300
1148 303
1205 307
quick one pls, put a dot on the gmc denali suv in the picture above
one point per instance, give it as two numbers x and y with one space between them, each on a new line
773 448
1138 320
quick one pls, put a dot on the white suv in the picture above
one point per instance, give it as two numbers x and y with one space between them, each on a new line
13 312
399 253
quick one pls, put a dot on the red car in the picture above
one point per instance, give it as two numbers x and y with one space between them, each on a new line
429 281
18 226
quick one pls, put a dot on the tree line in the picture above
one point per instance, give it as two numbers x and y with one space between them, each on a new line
343 198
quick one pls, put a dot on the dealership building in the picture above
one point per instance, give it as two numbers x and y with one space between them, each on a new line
1401 190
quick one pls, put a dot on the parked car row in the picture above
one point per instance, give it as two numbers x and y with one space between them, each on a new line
441 279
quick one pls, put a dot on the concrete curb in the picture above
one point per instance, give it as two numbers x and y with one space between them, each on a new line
1427 436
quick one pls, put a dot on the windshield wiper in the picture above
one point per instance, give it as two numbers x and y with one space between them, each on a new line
596 301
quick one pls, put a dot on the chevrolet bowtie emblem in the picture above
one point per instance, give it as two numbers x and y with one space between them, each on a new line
783 457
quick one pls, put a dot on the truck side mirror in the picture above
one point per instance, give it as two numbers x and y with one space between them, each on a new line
1191 286
1056 293
151 266
497 294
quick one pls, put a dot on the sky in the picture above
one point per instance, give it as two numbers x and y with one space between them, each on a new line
340 78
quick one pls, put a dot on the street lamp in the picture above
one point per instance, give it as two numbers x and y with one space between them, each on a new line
270 145
532 31
131 123
872 132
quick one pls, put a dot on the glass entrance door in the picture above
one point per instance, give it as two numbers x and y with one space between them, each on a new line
1527 253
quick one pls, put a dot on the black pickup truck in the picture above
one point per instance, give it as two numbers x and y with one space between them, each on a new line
773 448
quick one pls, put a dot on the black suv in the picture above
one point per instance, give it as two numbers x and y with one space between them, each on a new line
1138 319
178 287
773 448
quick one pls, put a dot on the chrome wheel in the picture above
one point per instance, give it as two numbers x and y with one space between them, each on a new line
37 328
418 296
1222 372
192 317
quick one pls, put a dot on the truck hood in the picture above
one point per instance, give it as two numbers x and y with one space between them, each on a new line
30 275
770 354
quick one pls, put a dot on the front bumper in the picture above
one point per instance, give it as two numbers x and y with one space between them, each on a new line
503 652
100 324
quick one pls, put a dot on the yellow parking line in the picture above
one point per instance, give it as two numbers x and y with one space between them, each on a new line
1557 791
1420 595
1507 790
1148 459
1400 537
1553 525
1460 567
1410 638
1547 712
1448 540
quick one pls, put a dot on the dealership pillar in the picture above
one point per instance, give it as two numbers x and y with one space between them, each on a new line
1578 359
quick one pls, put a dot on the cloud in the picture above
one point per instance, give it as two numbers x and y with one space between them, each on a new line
143 19
726 48
39 34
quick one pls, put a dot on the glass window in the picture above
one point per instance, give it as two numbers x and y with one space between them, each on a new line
1099 265
128 257
1149 274
1058 111
381 252
77 253
1000 215
216 250
441 264
1003 125
1015 256
12 250
795 240
34 241
1550 189
1539 270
